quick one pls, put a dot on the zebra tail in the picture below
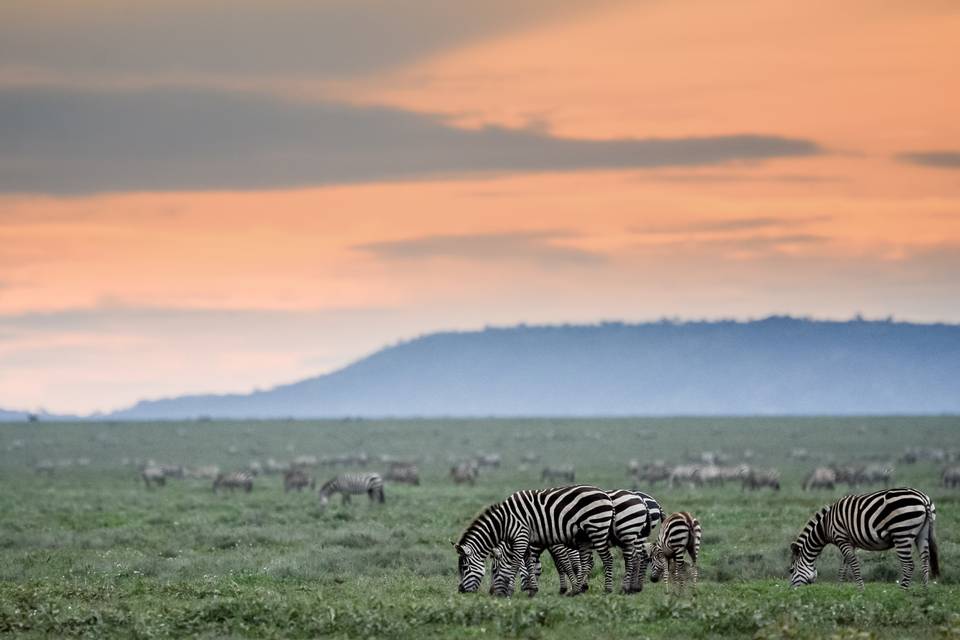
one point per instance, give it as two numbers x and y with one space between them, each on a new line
932 543
693 541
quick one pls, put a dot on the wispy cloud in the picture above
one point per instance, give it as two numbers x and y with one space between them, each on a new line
532 246
729 225
937 159
70 141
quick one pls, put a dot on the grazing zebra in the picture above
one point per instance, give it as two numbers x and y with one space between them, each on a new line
464 472
297 479
635 515
899 518
153 475
235 480
407 473
578 516
565 473
680 534
45 466
951 477
821 478
760 478
347 484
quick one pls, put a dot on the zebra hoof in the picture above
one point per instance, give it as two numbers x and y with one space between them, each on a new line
563 590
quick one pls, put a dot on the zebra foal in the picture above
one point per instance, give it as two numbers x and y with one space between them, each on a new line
893 518
680 535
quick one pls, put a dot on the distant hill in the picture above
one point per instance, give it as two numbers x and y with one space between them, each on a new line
779 365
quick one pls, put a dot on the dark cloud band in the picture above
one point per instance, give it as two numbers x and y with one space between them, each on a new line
938 159
72 141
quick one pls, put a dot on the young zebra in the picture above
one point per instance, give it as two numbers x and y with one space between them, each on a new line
635 515
235 480
347 484
680 534
579 516
899 518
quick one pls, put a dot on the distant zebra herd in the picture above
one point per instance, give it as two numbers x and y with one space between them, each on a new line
573 522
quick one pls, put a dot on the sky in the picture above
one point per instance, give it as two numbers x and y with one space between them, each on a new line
220 196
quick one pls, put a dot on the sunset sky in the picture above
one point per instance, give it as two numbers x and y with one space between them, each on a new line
222 195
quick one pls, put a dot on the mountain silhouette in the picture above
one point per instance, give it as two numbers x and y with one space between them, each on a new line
779 365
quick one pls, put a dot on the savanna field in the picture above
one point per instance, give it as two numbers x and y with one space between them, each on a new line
88 550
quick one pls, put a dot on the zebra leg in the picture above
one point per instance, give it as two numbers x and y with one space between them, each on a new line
629 566
561 560
640 567
346 498
905 553
607 558
584 569
680 571
850 562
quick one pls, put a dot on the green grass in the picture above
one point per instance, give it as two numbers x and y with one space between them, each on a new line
90 552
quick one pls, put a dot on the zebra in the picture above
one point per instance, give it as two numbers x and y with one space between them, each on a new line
235 480
297 479
578 516
565 473
821 478
760 478
898 518
348 484
464 472
153 475
408 473
635 515
680 534
951 477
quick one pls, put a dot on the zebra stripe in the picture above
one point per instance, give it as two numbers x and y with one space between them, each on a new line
680 534
892 518
235 480
635 515
347 484
579 516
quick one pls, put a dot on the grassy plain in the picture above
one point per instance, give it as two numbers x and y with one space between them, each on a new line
90 552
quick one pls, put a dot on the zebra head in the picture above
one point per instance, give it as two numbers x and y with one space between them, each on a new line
802 570
657 562
470 568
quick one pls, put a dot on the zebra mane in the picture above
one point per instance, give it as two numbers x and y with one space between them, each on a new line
486 511
815 520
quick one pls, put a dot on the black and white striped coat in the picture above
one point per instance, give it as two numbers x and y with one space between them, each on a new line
635 515
680 535
893 518
348 484
235 480
579 516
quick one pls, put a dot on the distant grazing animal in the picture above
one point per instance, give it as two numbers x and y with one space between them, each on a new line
898 518
45 466
407 473
172 470
878 474
488 460
271 467
153 475
951 477
579 516
235 480
348 484
565 473
652 473
464 472
820 478
686 474
761 478
297 479
305 461
851 475
680 534
208 472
